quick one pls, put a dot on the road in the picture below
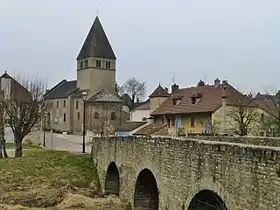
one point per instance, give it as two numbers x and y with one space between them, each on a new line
71 143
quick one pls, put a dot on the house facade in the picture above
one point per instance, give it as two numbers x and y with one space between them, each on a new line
11 89
94 91
203 109
141 112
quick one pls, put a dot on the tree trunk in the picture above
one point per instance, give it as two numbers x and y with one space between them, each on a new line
2 139
133 101
1 147
18 152
4 149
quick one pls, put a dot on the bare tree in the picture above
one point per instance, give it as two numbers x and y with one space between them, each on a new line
135 89
117 88
24 107
243 113
271 104
268 124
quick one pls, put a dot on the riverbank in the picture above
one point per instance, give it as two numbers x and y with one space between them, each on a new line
49 179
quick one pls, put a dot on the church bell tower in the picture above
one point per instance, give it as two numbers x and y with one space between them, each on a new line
96 62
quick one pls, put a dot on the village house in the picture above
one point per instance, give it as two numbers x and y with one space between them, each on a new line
11 89
203 109
93 92
270 114
141 112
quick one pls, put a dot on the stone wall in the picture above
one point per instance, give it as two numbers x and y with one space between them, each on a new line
244 176
262 141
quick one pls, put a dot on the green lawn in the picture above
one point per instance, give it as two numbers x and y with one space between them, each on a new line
42 177
24 145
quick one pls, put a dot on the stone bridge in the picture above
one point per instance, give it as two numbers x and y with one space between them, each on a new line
180 174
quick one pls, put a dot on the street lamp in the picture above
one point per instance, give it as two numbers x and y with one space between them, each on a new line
84 97
44 131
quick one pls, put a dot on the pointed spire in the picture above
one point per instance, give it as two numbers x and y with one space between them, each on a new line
96 43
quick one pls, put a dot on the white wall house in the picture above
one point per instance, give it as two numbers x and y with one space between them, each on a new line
140 112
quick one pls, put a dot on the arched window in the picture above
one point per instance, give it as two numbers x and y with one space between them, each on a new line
48 119
77 104
113 116
96 115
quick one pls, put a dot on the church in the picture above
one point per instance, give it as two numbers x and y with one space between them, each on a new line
91 100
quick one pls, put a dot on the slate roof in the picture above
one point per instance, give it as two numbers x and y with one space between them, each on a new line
130 126
144 106
103 95
210 99
61 90
96 43
159 92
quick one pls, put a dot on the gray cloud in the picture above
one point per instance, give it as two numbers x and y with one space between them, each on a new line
235 40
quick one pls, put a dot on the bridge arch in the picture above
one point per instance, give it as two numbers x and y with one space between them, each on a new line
146 195
112 181
207 200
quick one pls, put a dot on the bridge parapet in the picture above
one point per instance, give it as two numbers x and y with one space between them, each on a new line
262 141
244 176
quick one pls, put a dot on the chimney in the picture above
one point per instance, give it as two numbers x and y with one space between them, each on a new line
224 108
217 82
224 82
174 88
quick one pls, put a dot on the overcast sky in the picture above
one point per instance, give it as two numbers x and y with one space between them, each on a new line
237 40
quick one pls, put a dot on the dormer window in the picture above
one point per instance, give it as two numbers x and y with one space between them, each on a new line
195 98
81 64
98 63
177 100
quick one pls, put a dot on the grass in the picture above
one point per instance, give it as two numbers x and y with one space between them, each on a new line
24 146
48 165
42 178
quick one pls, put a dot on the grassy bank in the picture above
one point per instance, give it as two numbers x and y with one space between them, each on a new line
47 166
51 179
24 146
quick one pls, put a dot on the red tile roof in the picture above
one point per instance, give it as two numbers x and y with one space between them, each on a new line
159 92
209 99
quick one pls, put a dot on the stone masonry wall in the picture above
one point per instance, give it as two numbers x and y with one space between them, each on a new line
245 176
264 141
